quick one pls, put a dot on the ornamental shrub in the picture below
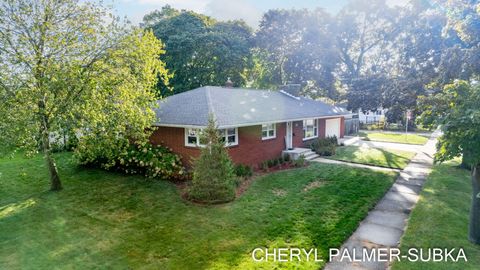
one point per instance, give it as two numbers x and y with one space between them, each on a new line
213 172
300 161
325 146
151 161
243 170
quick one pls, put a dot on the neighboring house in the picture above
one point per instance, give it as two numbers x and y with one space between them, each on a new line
370 117
257 124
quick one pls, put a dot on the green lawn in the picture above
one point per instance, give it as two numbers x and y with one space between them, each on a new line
374 156
394 137
107 220
440 219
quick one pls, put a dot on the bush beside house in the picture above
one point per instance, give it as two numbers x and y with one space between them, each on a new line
325 146
151 161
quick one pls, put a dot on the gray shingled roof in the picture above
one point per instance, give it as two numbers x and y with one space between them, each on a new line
238 107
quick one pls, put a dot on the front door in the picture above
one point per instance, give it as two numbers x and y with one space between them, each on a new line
289 136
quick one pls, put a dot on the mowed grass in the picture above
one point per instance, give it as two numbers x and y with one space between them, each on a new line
396 159
394 137
108 220
440 219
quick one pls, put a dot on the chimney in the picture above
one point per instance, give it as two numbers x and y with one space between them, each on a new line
228 83
292 89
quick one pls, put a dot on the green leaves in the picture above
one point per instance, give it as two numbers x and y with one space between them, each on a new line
456 110
213 172
67 66
199 50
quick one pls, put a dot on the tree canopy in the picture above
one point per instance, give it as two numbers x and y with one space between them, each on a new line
299 48
69 65
199 50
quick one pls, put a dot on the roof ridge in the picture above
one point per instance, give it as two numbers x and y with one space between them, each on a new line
209 102
288 94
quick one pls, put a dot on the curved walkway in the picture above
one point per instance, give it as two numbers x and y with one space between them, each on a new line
385 224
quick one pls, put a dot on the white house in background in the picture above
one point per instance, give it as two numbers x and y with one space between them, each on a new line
372 116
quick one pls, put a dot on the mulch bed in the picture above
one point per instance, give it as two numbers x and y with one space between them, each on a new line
182 185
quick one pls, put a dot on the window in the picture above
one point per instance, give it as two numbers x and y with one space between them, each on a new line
230 136
310 129
192 136
268 131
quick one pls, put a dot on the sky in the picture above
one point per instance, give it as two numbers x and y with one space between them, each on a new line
249 10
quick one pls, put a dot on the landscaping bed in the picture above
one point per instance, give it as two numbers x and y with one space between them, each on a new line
109 220
394 137
396 159
440 219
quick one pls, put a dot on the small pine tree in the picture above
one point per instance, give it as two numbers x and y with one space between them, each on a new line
213 172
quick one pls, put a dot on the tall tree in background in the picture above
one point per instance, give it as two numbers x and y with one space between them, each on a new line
300 49
199 50
68 62
461 59
364 34
418 48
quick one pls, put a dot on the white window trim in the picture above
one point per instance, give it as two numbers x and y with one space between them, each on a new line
222 132
225 135
274 131
197 136
315 125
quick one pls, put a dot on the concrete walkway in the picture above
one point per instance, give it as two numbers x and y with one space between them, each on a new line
333 161
356 141
385 224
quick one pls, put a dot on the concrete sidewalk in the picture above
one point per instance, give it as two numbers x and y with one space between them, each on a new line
351 164
385 224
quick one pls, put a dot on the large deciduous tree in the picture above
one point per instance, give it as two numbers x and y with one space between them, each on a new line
68 63
364 32
457 110
199 50
300 49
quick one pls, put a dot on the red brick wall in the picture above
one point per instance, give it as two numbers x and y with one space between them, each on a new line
251 149
298 129
321 128
175 139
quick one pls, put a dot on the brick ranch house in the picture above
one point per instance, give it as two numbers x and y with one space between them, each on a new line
257 125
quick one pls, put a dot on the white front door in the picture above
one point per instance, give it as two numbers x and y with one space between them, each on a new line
289 136
332 127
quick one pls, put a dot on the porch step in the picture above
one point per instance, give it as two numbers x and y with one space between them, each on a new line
310 155
297 152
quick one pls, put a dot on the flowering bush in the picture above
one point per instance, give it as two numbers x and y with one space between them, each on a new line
145 159
151 161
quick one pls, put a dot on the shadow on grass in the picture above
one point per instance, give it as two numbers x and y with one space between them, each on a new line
373 156
104 219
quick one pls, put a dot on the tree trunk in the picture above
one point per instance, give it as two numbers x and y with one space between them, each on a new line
465 164
55 184
474 227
